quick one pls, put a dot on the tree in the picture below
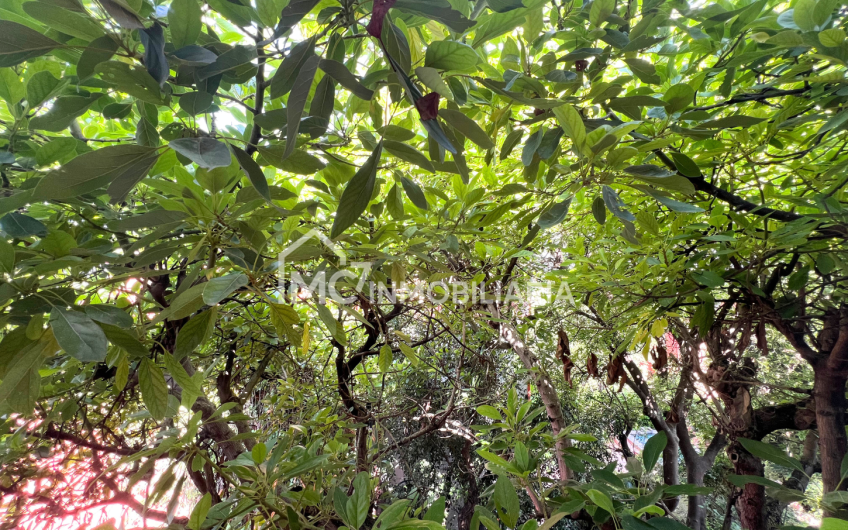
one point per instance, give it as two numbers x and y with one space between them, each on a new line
257 254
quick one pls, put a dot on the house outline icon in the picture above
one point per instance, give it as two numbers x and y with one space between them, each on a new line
312 233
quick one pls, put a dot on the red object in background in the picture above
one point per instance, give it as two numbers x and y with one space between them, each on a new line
580 64
378 13
428 106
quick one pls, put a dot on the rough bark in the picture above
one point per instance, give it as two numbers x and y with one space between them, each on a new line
829 392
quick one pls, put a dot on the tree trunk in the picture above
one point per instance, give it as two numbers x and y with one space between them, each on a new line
752 501
696 515
829 392
671 467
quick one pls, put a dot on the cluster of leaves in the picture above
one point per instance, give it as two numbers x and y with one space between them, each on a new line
162 161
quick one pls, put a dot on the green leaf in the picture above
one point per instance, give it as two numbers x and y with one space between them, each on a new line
297 101
154 390
221 287
189 385
431 78
207 153
64 20
184 304
232 58
184 21
299 162
678 97
600 11
489 412
645 71
198 513
96 169
467 127
572 123
494 25
831 38
78 335
62 112
342 75
109 314
357 194
195 332
415 193
293 13
732 121
554 215
686 165
384 361
451 55
601 500
285 76
409 154
438 10
132 80
676 206
831 523
147 220
803 14
321 106
55 150
195 103
599 210
436 511
358 503
409 353
506 502
19 43
653 450
615 204
771 453
254 174
41 87
19 225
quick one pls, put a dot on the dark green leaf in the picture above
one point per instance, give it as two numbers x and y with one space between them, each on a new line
184 21
342 75
78 335
554 215
467 127
284 78
357 194
19 225
96 169
19 43
297 101
409 154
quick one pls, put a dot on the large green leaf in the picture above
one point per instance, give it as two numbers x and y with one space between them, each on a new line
409 154
78 335
297 101
468 127
96 169
19 43
653 450
184 21
451 55
357 194
154 390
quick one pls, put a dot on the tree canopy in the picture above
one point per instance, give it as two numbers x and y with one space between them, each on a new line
402 264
